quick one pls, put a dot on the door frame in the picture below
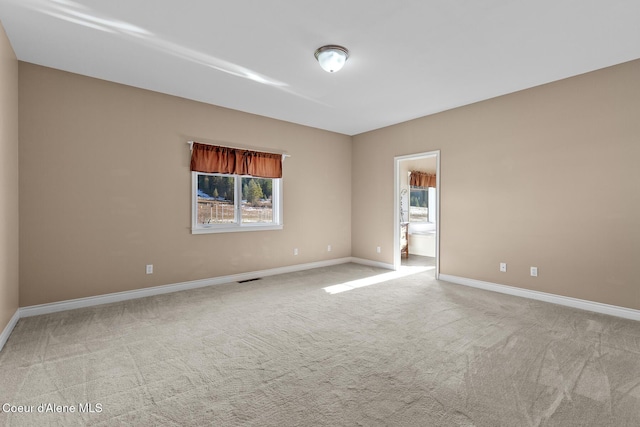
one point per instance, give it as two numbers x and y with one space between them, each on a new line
396 205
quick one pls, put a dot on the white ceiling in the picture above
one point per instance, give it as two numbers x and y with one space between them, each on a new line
408 59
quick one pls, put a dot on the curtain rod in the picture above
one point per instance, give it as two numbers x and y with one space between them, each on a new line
284 155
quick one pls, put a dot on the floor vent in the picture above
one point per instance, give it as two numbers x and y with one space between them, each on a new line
249 280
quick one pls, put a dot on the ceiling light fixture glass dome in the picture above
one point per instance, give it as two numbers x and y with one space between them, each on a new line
331 57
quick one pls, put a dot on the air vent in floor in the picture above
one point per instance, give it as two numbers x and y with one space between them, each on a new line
249 280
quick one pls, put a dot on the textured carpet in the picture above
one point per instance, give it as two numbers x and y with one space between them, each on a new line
337 346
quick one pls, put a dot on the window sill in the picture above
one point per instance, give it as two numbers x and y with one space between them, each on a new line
235 229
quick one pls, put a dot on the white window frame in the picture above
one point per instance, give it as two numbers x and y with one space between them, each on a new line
426 195
238 226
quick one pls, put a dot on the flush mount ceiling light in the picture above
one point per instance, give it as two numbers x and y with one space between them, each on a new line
331 57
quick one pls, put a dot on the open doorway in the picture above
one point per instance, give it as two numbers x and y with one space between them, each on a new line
417 210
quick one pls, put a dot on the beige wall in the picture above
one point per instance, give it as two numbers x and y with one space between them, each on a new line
546 177
105 189
8 181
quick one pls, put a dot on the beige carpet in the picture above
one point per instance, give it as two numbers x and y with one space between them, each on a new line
326 348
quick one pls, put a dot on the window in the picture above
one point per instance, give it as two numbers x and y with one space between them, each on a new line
418 205
234 189
422 202
422 196
226 202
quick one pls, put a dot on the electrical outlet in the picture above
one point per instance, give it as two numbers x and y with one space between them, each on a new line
328 248
378 249
295 251
534 271
149 268
503 267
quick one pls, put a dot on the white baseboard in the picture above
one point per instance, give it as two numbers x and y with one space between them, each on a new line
611 310
372 263
36 310
4 336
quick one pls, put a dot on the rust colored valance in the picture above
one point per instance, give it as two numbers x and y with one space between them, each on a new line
215 159
422 179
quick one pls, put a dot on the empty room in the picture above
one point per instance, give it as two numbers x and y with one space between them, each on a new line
319 213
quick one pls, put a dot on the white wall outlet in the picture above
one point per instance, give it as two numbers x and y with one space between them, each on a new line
378 249
149 268
295 251
503 267
328 248
534 271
